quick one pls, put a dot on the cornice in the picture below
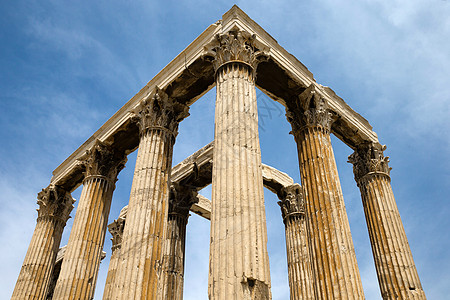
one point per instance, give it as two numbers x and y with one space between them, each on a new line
188 77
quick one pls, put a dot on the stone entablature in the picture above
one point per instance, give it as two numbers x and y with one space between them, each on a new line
236 55
189 76
201 163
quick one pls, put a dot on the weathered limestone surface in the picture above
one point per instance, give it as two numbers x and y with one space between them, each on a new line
202 207
140 266
397 273
79 269
201 162
292 206
180 200
333 258
239 263
57 270
116 230
152 255
55 205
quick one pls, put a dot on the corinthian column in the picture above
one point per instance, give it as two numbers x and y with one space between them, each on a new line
299 266
239 263
333 258
82 258
180 201
116 230
55 205
396 271
139 267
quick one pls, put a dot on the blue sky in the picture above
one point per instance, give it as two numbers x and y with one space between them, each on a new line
66 67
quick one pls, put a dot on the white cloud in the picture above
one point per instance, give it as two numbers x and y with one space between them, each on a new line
390 61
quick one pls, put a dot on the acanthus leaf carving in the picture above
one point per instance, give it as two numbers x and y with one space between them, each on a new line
116 229
310 110
55 202
235 46
158 111
181 198
291 201
103 160
369 159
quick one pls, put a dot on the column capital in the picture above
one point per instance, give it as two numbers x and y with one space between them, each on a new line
158 111
369 159
235 46
292 202
55 203
310 110
116 230
103 160
181 198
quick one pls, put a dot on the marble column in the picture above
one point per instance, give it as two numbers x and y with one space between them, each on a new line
397 273
181 199
333 259
140 265
56 271
83 254
292 206
55 205
116 230
239 263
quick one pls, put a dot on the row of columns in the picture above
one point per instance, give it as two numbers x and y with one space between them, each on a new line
396 271
333 262
321 256
55 205
334 267
140 263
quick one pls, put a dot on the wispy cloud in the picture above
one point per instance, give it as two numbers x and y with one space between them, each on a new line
73 65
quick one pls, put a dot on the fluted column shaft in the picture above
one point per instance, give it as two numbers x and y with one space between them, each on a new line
396 271
36 273
334 266
81 261
239 262
299 265
180 200
173 259
116 230
140 262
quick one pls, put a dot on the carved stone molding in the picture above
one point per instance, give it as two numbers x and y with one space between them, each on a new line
369 159
181 198
158 111
116 230
234 46
310 110
55 202
103 160
291 201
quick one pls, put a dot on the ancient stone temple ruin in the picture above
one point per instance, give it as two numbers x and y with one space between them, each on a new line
235 55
